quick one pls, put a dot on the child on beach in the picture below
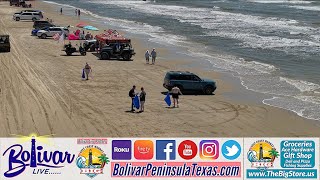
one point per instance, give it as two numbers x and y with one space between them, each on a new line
175 95
87 70
81 36
142 99
147 55
153 55
132 94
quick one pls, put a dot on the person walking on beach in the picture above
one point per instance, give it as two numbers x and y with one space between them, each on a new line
76 12
142 99
79 13
61 11
87 70
175 95
147 55
153 55
132 94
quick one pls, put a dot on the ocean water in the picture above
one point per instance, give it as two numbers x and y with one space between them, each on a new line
272 46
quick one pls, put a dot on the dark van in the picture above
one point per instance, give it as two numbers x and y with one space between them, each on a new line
42 24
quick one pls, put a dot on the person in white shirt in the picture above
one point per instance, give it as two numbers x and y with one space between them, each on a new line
87 70
147 55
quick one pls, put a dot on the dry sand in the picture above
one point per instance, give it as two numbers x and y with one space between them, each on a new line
42 92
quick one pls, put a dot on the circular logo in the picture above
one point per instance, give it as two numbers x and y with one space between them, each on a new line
187 149
262 154
231 149
91 161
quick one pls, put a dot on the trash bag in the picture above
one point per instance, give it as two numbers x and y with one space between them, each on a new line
83 74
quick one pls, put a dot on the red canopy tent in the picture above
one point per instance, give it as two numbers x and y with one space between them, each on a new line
107 38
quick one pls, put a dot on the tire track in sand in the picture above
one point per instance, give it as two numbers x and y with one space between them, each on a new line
33 91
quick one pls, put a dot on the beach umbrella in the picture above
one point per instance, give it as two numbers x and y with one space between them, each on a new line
81 25
91 28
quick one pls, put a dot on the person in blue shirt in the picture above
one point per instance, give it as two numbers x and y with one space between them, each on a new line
153 55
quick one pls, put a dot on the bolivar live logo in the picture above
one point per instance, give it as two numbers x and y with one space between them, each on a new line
19 159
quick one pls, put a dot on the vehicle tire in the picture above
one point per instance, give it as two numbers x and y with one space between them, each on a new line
105 56
83 53
69 53
85 47
43 36
8 49
126 56
208 90
17 19
92 48
34 19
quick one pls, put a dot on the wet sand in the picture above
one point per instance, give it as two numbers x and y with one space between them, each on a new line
42 92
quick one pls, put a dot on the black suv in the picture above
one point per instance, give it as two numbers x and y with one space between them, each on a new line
187 81
42 24
117 50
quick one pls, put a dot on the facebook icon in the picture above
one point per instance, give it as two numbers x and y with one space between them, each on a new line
166 149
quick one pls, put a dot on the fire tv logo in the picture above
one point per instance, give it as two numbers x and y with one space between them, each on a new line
187 149
143 149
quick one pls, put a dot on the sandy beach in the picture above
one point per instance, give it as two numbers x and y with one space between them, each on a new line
42 92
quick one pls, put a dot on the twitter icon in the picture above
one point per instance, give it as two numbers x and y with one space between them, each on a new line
231 150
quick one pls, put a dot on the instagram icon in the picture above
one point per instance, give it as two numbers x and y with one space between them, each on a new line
209 149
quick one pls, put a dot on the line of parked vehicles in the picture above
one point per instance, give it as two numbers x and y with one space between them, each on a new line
107 48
